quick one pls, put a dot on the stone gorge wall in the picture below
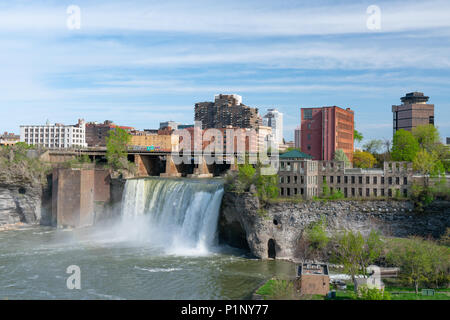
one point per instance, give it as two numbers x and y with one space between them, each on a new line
23 202
244 224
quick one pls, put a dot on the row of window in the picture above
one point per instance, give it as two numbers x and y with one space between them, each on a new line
368 180
348 192
298 179
31 130
298 191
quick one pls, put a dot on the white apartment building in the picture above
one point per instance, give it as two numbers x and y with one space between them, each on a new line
274 119
56 136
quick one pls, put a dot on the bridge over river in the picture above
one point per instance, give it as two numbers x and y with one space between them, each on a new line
152 162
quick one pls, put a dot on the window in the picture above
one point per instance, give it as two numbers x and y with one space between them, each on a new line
331 179
360 192
390 193
360 180
390 180
309 136
397 180
382 192
339 179
375 192
309 125
405 193
345 179
368 180
353 192
431 120
375 180
307 114
367 192
353 179
382 180
309 147
405 181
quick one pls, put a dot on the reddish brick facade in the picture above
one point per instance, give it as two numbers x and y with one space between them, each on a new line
324 130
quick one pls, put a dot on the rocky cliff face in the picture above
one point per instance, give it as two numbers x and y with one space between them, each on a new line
21 203
244 224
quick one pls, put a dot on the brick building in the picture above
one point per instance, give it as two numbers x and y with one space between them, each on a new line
9 139
313 278
324 130
302 177
163 141
96 133
227 110
413 111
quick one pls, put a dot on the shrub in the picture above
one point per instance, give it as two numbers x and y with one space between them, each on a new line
366 293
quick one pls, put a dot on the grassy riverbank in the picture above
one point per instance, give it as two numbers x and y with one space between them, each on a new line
275 289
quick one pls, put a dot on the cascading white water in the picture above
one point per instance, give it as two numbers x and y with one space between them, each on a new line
179 215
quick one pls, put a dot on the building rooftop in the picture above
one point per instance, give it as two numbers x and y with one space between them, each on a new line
295 154
312 269
414 97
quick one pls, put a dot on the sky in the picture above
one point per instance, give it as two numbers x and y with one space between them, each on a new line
139 63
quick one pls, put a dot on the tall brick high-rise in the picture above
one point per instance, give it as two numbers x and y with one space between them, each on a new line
414 111
226 110
325 130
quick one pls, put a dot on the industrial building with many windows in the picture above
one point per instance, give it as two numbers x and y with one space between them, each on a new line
56 136
302 177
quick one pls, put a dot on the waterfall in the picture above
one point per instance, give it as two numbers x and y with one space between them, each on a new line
179 215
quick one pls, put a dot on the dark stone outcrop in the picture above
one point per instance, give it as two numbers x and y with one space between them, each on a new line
283 223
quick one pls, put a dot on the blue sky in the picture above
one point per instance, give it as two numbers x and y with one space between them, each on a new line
141 62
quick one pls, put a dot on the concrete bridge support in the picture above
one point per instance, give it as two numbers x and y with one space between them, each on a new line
203 170
147 165
172 169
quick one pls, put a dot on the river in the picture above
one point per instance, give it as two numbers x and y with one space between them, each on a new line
164 246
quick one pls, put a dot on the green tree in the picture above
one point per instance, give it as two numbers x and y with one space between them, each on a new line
356 253
405 146
363 159
429 165
417 259
316 234
340 155
427 136
266 186
373 146
117 148
358 136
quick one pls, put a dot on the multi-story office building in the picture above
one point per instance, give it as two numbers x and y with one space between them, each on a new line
56 136
413 111
274 119
297 138
300 176
226 110
96 133
9 139
325 130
